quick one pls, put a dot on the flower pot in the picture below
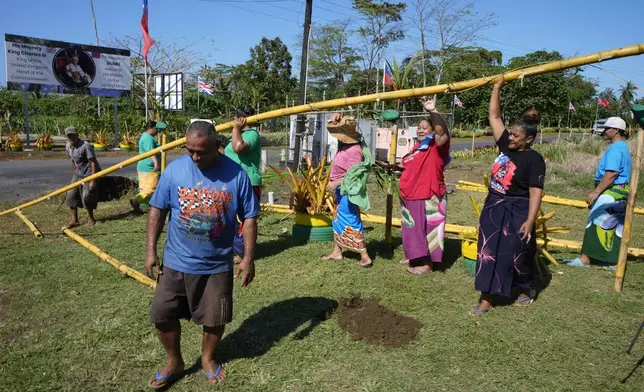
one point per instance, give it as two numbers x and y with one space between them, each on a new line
14 148
45 147
312 220
313 234
100 147
469 251
126 147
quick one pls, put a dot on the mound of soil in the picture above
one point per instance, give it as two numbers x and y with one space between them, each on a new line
366 319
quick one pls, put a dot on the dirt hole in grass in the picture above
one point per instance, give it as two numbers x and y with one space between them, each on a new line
366 319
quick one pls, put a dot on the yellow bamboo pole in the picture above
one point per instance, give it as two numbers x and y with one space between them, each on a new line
628 219
34 230
447 88
164 141
458 229
111 260
467 186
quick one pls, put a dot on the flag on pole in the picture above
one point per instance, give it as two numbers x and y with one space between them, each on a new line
603 102
571 107
387 77
147 40
207 89
457 102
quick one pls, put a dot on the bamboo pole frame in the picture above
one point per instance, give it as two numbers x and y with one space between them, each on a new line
447 88
164 141
458 229
628 220
34 230
474 187
136 275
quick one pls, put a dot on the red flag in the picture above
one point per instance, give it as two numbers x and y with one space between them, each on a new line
147 40
603 102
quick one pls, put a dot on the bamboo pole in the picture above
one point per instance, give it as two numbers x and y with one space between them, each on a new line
628 220
164 141
458 229
34 230
472 186
446 88
111 260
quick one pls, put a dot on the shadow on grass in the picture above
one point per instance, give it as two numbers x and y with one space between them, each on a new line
261 331
274 247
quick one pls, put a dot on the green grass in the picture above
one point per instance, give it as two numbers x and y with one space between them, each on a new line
69 322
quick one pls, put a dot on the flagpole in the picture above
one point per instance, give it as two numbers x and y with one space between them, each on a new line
145 86
596 112
569 129
383 81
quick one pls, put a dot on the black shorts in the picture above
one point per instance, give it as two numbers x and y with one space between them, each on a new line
206 299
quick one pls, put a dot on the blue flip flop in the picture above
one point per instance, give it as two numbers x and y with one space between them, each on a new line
524 301
166 378
575 263
213 375
476 311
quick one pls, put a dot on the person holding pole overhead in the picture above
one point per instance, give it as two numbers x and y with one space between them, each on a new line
148 169
245 148
424 202
506 237
607 202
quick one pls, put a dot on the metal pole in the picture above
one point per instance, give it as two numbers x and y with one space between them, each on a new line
198 93
301 119
569 129
145 86
116 122
27 141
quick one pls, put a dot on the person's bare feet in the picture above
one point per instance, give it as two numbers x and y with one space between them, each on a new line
365 262
211 368
136 207
166 375
72 224
333 256
91 222
404 261
422 269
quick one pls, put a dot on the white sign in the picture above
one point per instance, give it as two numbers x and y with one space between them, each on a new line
62 67
168 89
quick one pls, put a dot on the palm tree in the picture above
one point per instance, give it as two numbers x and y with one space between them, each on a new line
627 94
400 75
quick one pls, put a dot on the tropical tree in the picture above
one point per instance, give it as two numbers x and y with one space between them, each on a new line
627 94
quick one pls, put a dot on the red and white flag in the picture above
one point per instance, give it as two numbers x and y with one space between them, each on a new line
147 40
603 102
458 102
571 107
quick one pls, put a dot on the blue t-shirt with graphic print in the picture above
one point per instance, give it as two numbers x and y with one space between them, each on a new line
204 207
617 158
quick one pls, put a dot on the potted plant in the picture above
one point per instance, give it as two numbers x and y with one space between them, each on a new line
311 202
127 142
14 143
100 141
44 141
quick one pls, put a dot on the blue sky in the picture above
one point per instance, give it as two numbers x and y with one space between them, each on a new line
573 27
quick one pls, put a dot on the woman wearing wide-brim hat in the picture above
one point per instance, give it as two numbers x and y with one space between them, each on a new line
348 182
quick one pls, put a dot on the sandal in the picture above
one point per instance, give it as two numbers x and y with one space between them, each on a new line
524 301
476 311
417 272
213 375
166 379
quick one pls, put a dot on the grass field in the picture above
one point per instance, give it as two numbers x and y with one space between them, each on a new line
69 322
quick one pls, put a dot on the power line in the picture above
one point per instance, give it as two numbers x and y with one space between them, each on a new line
337 5
249 10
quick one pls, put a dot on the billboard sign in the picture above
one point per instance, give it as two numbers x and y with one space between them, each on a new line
61 67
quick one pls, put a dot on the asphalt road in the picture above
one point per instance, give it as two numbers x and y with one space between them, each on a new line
26 179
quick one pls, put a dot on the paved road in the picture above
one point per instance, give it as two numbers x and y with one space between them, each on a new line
21 180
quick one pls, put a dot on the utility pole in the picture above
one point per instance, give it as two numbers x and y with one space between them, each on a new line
301 119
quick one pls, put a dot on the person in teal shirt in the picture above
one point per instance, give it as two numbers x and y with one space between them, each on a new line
148 169
245 148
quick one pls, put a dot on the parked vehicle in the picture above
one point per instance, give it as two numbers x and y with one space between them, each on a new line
597 127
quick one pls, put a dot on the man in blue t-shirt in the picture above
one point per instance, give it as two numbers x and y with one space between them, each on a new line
205 192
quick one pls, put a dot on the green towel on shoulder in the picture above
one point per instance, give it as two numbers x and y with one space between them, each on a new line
354 183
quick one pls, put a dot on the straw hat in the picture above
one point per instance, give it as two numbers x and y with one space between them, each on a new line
344 130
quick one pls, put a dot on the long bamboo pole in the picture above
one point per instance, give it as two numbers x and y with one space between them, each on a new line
628 220
627 51
471 186
34 230
458 229
111 260
164 141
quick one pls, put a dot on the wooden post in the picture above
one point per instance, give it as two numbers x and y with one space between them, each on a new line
164 141
628 220
390 192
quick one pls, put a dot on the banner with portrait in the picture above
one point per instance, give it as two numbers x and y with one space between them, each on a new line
47 66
